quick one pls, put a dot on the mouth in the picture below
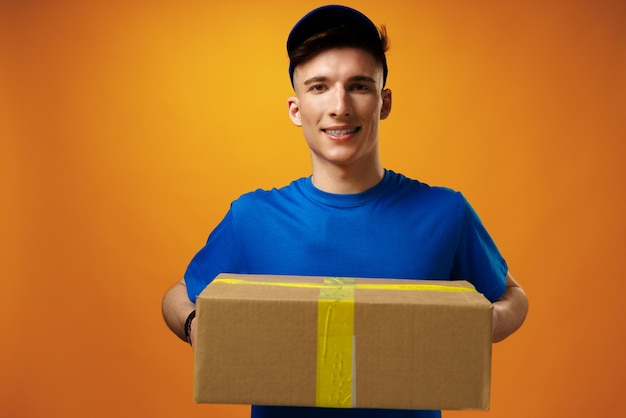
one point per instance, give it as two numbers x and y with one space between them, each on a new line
338 133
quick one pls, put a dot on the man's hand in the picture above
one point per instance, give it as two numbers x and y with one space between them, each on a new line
509 311
176 309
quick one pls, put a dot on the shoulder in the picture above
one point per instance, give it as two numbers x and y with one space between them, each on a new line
425 193
280 196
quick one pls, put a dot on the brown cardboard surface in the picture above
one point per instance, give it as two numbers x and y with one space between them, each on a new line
257 343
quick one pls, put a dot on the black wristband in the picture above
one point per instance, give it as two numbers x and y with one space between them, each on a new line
190 318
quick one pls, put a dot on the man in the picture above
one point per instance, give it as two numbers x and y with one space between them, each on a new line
351 217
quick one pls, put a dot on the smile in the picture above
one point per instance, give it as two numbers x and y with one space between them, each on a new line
340 132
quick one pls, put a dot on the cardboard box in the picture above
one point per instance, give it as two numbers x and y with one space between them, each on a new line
341 342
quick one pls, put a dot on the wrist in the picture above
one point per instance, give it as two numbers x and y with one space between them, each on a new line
187 327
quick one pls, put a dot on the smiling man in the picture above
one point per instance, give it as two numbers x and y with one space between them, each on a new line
339 103
351 217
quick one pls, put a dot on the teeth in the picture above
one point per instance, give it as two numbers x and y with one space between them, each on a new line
340 132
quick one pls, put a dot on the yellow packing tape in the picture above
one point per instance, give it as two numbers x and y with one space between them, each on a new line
335 344
360 286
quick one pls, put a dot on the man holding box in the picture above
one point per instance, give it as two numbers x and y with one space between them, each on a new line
351 217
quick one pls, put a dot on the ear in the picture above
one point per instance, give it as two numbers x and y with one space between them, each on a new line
294 111
386 107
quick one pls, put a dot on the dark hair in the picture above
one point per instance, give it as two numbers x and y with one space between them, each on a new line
335 26
338 37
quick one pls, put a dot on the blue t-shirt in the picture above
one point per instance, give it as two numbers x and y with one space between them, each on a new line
401 228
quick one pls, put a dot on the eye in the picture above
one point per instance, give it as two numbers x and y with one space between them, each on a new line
360 87
317 88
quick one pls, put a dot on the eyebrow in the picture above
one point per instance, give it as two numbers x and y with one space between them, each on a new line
363 78
320 79
314 80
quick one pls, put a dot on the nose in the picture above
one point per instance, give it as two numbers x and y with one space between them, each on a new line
340 103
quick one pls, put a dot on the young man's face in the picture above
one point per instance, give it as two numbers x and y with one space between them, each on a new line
339 104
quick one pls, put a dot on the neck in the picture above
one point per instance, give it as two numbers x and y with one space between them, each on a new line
347 180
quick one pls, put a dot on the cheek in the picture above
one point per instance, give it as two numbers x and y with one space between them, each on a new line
309 114
308 123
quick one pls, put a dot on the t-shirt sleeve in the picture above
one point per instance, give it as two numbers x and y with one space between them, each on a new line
222 253
477 258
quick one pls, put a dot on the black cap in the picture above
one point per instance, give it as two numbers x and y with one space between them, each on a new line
333 16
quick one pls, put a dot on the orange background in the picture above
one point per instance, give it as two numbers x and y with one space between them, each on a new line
128 127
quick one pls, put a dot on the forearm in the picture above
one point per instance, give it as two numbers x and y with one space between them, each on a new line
176 308
509 311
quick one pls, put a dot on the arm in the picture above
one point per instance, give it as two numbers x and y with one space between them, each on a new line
176 308
509 311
